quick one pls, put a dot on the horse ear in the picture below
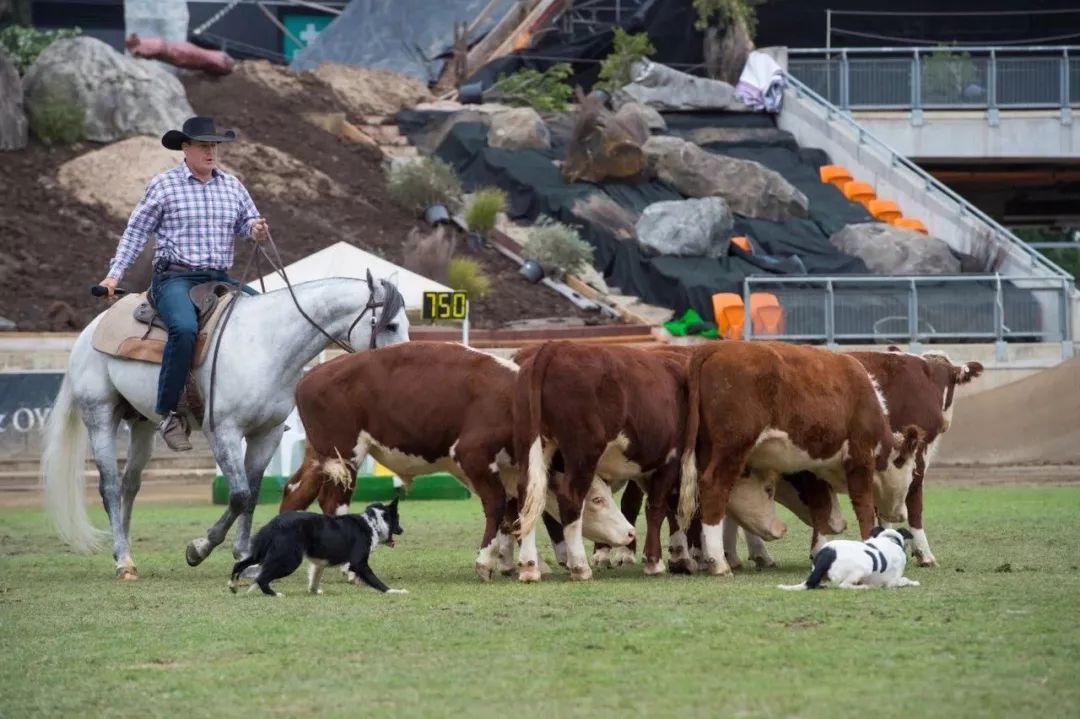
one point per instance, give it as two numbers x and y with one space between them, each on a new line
370 280
393 279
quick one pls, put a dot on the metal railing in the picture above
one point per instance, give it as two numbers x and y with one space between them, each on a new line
913 309
919 78
931 185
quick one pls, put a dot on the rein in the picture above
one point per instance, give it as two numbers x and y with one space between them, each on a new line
278 266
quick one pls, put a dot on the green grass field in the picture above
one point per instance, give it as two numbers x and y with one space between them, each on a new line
973 640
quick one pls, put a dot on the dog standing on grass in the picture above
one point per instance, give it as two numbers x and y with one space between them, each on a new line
282 545
878 562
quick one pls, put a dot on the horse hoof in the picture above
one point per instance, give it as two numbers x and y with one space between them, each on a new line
127 574
581 573
197 551
529 575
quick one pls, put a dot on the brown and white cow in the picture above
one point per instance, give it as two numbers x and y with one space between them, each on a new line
426 407
787 408
918 390
611 412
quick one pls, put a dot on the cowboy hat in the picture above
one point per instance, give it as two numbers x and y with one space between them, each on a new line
196 129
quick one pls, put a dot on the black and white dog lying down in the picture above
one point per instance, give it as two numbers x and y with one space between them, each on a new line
286 540
878 562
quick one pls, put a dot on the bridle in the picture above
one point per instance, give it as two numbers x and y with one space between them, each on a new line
392 300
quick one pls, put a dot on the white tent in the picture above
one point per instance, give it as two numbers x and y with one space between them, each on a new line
345 260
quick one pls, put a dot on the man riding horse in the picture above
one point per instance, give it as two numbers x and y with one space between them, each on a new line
195 210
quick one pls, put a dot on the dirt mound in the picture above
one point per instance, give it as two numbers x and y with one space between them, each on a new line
1033 421
115 176
372 91
55 245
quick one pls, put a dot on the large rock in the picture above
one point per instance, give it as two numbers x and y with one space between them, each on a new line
13 128
519 129
665 88
751 189
887 249
687 228
122 96
634 114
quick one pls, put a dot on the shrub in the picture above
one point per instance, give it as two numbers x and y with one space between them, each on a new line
484 210
557 246
627 49
56 122
24 44
465 274
542 91
415 186
726 12
428 253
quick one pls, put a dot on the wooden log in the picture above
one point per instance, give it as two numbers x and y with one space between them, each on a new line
481 52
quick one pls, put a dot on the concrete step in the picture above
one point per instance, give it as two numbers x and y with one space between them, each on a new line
28 480
165 462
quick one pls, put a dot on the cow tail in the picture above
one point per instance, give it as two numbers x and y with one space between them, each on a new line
688 487
536 465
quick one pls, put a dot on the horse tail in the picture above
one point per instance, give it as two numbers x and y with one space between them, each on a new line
536 466
63 477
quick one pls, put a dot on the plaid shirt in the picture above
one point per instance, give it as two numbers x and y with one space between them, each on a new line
195 222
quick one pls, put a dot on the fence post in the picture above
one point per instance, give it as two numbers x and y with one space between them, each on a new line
913 319
916 90
1067 350
830 315
1066 111
1000 349
991 90
845 78
748 320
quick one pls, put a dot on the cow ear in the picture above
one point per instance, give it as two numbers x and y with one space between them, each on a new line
970 371
876 531
903 532
893 348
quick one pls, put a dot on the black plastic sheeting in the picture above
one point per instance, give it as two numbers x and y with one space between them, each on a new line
412 37
668 23
795 247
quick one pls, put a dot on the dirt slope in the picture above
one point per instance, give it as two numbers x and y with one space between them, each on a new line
1033 421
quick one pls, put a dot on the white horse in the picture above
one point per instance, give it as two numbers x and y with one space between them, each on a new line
264 347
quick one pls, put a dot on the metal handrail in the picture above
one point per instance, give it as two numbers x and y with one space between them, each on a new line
931 183
928 50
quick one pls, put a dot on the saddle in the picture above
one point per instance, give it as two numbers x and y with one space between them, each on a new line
132 328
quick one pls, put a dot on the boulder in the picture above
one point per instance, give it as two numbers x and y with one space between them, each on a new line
13 127
121 96
518 129
887 249
634 114
686 228
751 189
665 88
603 146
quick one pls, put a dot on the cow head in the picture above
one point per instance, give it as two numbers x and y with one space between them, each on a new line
947 375
601 518
752 504
892 483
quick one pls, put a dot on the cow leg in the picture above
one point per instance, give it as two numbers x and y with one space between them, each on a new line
920 547
715 483
303 488
493 499
693 539
571 496
558 540
757 552
630 504
678 546
663 483
859 468
731 542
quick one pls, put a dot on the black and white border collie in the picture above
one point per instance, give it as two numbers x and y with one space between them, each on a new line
878 562
286 540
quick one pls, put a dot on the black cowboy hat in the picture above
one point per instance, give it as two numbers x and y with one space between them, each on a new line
196 129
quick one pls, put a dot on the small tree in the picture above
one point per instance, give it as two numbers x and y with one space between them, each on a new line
484 210
415 186
24 44
557 247
544 91
722 13
626 50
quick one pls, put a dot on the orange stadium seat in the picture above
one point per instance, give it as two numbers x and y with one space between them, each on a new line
728 312
860 192
742 242
911 223
766 314
884 210
835 175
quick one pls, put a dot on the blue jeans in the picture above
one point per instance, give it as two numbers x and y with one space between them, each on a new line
170 291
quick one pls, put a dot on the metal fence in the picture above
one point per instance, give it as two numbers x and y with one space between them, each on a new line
945 77
913 310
